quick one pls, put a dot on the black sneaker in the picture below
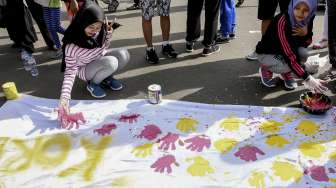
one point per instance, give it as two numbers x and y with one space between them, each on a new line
151 57
169 51
133 7
232 36
210 50
220 39
190 46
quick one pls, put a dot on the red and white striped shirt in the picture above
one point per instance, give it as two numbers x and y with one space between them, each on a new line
76 59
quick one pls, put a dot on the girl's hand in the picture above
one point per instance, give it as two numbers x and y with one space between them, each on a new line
63 112
300 31
108 26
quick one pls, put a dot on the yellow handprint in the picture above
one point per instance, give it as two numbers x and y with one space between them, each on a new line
186 125
232 123
225 145
143 151
200 167
257 180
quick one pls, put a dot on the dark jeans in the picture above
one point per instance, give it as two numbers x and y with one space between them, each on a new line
36 11
194 21
332 31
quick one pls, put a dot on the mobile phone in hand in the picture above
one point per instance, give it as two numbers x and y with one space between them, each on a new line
115 25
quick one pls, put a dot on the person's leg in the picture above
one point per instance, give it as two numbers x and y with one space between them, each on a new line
97 71
194 10
332 31
211 21
266 11
122 55
51 17
323 42
163 7
225 23
233 20
148 11
36 11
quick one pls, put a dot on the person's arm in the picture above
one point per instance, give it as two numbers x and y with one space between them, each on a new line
288 50
74 6
70 72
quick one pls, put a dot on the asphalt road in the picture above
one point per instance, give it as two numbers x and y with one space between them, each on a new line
223 78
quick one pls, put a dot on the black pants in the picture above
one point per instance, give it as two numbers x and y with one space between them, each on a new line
332 31
136 2
20 25
36 11
194 21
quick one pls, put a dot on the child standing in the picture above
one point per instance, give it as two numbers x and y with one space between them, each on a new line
84 45
280 49
51 15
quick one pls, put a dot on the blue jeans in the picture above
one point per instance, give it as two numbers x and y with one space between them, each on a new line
227 17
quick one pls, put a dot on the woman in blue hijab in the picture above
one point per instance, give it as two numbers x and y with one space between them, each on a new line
282 48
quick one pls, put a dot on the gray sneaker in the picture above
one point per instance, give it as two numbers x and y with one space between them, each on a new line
252 56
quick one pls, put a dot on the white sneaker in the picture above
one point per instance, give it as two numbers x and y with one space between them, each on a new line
252 56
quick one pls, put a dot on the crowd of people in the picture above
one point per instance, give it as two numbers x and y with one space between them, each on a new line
85 52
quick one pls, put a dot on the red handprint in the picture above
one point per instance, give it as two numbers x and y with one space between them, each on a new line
150 132
168 141
129 118
105 129
68 120
197 143
163 163
248 153
317 173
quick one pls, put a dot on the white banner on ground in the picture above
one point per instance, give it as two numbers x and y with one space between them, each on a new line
130 143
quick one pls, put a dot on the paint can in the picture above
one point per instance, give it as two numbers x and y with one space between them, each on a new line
154 94
10 90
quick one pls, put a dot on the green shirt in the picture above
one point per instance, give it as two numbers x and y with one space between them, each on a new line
55 4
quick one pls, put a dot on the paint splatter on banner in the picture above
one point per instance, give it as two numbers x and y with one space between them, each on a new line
130 143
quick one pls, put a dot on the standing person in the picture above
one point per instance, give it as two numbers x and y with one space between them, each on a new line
332 32
84 43
323 43
36 11
21 31
51 15
148 12
266 11
281 47
227 21
135 5
210 27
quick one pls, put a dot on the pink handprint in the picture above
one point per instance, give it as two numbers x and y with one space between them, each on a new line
150 132
68 120
163 163
168 141
105 129
197 143
317 173
248 153
129 118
